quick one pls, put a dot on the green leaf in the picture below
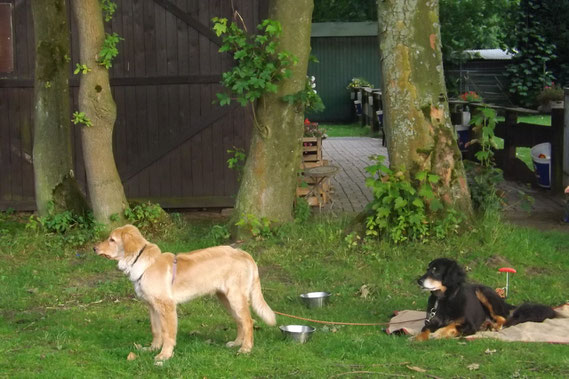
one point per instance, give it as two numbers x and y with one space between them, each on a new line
421 175
436 205
400 203
433 179
220 26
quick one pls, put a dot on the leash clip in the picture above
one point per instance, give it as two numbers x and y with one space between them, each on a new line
432 313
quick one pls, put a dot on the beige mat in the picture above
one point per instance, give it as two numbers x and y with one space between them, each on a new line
551 330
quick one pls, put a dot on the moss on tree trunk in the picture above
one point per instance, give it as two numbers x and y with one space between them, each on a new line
419 130
269 179
104 185
53 151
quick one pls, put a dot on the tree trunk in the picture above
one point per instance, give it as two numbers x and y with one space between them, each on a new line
96 101
269 180
419 131
53 152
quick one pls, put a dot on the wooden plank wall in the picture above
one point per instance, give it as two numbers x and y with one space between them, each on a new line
170 140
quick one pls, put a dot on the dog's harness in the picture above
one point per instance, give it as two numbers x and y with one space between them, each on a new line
136 260
138 256
174 264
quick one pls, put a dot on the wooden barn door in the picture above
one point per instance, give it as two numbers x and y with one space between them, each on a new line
170 141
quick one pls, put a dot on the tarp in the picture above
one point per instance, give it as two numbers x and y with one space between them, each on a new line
551 330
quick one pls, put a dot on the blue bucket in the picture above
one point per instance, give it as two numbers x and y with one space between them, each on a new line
379 118
462 136
358 106
542 164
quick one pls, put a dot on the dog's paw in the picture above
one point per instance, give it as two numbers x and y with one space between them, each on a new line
163 356
244 350
152 347
233 344
423 336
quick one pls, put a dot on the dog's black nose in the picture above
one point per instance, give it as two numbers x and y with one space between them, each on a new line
95 249
420 281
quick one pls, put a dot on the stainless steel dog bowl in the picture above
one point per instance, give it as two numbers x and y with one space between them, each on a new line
315 299
299 333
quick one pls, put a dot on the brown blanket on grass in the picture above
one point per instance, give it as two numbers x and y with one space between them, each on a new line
552 330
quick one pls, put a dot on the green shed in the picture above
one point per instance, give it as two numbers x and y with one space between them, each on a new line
344 50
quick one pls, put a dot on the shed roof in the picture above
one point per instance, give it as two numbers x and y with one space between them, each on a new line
489 54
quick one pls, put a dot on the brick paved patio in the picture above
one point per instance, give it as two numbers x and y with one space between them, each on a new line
350 154
350 194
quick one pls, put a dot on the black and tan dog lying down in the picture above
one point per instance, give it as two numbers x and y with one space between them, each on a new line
457 308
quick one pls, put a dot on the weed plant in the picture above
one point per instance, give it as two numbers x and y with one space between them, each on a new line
65 312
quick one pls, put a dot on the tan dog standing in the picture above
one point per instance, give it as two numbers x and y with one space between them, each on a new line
163 280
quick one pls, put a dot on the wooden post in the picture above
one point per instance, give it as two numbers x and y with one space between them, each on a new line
566 141
511 119
557 124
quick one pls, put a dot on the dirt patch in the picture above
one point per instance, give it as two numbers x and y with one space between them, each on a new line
274 272
536 271
546 212
498 261
541 220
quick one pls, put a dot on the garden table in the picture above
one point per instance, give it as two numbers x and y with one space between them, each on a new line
319 174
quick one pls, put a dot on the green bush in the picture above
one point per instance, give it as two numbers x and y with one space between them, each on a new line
550 93
407 211
75 229
483 177
148 217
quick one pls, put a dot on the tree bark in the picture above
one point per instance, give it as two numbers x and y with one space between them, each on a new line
105 188
268 185
419 131
53 152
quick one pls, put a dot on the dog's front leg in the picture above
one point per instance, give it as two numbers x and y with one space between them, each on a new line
169 326
156 329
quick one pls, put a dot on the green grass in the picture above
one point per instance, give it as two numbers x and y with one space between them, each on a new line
346 130
540 119
66 313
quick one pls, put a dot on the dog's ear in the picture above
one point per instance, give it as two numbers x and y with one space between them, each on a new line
130 242
454 275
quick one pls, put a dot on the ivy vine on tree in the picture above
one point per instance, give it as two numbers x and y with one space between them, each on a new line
259 67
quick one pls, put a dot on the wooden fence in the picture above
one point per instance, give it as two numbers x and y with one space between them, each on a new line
170 141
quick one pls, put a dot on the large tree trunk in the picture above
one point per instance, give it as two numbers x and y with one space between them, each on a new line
419 130
269 180
53 154
96 101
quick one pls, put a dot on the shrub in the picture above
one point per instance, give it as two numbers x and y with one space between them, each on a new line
405 210
76 229
550 93
148 217
483 177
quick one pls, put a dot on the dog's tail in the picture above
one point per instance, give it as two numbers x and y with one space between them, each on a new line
258 302
531 312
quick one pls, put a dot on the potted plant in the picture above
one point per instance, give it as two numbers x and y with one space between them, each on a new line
548 96
471 97
355 84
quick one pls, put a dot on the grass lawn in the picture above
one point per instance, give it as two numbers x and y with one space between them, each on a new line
523 153
66 313
346 130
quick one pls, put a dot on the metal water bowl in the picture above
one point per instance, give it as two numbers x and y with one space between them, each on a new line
299 333
315 299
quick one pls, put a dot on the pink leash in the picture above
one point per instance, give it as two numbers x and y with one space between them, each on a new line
174 269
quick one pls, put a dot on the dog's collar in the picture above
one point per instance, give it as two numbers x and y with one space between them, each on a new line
174 264
138 256
433 312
